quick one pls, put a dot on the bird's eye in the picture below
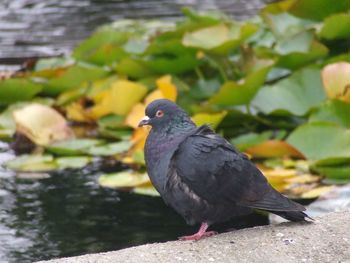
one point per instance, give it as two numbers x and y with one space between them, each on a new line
159 113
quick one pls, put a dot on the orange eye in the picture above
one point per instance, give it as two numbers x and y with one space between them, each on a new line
159 113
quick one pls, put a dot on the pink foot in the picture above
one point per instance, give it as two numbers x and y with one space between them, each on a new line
196 236
200 234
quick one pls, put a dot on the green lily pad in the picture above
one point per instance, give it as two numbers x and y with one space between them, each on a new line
248 140
124 179
238 93
134 68
338 172
73 77
334 111
109 149
74 162
319 141
14 90
318 9
32 163
73 147
296 94
336 27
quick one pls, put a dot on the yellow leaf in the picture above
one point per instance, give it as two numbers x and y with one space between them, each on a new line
146 190
336 80
303 179
167 88
124 179
42 124
154 95
119 99
135 115
316 192
272 149
76 112
213 119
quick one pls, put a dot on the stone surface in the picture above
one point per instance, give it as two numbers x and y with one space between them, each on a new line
325 240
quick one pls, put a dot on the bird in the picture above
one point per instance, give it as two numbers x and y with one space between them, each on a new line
202 176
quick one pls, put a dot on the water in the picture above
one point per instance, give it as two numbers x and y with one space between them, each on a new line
38 28
68 214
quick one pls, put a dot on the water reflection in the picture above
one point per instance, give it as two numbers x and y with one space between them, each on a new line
69 214
30 28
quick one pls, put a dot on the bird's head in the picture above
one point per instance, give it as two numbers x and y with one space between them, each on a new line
164 114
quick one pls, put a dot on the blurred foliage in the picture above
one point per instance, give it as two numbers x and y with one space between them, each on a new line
276 85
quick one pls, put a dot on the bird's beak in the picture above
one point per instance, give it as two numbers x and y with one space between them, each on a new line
144 121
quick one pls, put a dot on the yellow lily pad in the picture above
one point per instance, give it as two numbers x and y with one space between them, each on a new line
42 124
316 192
124 179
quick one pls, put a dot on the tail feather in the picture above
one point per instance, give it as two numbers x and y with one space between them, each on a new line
295 216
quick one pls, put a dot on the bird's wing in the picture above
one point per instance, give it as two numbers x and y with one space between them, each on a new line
215 171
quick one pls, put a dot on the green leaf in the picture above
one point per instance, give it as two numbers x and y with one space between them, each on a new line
212 119
204 89
112 121
32 163
334 111
53 63
14 90
103 47
296 94
72 147
321 140
318 9
242 92
227 37
73 77
146 190
74 162
248 140
336 27
109 149
124 179
335 168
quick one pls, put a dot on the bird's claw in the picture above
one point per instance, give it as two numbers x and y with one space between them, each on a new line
198 236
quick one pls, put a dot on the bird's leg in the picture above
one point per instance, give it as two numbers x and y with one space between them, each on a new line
200 234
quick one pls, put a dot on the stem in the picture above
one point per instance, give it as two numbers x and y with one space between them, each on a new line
199 73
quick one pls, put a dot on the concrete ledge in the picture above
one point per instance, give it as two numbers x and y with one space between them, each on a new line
326 240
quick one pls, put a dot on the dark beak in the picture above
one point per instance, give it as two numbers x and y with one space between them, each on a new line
144 121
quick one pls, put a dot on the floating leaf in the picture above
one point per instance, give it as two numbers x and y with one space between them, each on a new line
41 124
109 149
73 147
32 163
14 90
226 37
213 119
272 149
336 27
124 179
334 111
336 80
135 115
317 9
250 139
119 99
296 94
74 162
316 192
167 88
321 140
146 190
73 77
238 93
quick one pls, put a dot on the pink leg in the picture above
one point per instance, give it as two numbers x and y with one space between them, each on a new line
201 233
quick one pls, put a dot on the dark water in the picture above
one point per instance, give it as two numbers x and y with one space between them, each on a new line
35 28
69 214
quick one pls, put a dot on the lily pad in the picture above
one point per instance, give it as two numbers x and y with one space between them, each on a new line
109 149
333 111
296 94
73 147
41 124
32 163
14 90
124 179
318 141
146 190
74 162
336 27
212 119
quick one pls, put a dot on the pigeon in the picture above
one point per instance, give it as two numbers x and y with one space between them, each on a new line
202 176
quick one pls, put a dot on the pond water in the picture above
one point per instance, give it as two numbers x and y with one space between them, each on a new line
69 214
39 28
